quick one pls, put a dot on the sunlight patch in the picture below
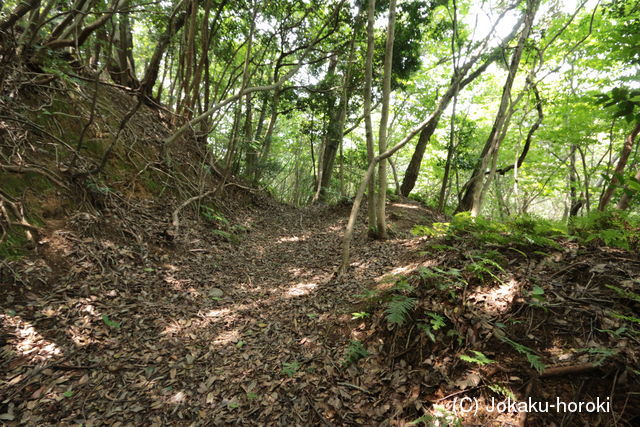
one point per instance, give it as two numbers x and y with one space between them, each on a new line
497 300
177 284
179 397
28 341
218 313
227 337
301 289
289 239
404 205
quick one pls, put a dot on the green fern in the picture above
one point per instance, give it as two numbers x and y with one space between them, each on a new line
402 285
630 295
502 390
533 358
398 309
436 322
604 353
354 352
479 358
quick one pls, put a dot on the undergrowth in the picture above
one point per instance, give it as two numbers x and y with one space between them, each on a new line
429 310
618 229
519 231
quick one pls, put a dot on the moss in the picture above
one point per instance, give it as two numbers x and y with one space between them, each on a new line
16 184
14 244
151 184
93 146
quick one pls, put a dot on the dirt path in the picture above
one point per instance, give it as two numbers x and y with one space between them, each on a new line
246 332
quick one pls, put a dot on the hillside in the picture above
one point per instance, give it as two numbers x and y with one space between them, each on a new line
112 314
320 213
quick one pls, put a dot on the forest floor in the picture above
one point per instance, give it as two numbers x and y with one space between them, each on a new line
115 323
242 331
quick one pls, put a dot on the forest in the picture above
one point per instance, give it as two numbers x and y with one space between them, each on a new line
303 212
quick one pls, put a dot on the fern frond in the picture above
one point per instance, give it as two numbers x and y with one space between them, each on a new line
398 309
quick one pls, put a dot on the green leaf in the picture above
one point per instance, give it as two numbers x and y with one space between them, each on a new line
479 358
110 323
359 315
68 393
290 369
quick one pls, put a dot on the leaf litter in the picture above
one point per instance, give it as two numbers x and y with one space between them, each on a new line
101 328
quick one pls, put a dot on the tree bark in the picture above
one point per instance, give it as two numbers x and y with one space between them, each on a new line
242 92
471 201
368 82
384 118
619 169
411 174
532 130
335 131
348 233
84 34
628 194
176 21
20 10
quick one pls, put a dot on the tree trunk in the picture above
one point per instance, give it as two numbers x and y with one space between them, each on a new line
368 81
573 186
252 149
176 21
121 66
384 117
21 9
411 174
332 113
628 194
471 201
619 169
447 165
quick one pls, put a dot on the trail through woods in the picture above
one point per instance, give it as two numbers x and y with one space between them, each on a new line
246 332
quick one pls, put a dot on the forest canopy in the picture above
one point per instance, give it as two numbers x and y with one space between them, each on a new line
525 106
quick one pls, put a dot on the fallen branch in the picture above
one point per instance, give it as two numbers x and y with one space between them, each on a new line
556 371
174 216
355 387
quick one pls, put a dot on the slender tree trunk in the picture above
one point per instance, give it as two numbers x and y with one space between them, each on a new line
471 201
348 233
176 21
332 113
573 183
619 169
368 81
384 117
335 131
395 176
585 171
447 165
252 149
21 9
411 174
627 195
452 124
